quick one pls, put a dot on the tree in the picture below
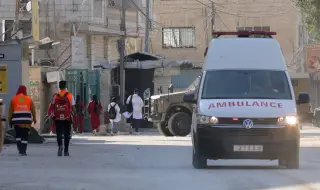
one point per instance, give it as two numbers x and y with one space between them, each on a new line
310 10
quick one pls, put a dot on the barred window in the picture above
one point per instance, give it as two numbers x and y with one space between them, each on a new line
178 37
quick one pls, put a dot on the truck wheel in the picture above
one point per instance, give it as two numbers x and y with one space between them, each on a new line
164 130
180 124
198 162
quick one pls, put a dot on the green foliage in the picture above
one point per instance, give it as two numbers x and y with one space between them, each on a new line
310 10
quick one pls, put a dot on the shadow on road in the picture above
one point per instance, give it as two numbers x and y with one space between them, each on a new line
244 167
110 161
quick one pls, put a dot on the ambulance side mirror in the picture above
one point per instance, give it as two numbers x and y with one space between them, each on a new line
189 97
303 98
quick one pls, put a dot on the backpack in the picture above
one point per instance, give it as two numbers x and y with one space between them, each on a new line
112 111
130 106
62 107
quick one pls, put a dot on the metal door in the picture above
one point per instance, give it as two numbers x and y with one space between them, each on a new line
84 83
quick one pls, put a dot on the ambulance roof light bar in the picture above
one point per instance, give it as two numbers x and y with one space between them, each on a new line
244 33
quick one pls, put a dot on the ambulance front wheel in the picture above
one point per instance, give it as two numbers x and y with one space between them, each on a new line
179 124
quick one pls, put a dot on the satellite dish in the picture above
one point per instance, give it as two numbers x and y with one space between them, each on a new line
28 6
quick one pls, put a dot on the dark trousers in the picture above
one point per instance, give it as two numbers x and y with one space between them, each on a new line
22 136
136 123
63 128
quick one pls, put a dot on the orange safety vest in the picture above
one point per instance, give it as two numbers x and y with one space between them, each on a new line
21 110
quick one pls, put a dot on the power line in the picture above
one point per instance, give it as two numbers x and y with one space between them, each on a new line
246 16
222 21
14 22
242 12
75 33
245 12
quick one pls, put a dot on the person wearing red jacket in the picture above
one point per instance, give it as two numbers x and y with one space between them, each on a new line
50 114
94 109
79 116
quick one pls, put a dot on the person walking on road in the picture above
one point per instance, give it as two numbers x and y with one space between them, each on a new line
94 109
137 103
63 107
21 115
114 115
79 115
51 114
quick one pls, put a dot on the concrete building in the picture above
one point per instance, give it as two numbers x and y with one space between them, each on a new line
97 22
182 28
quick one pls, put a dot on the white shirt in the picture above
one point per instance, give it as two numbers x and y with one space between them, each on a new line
137 104
118 117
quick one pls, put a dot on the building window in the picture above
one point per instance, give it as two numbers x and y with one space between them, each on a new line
254 28
178 37
97 8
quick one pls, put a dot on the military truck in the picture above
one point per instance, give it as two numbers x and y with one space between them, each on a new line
170 114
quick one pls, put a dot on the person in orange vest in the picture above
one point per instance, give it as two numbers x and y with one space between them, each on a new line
63 109
21 115
50 114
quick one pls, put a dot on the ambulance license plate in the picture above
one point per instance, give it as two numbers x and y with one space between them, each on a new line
247 148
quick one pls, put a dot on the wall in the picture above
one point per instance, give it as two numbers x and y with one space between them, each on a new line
113 54
163 81
281 16
180 14
7 9
105 83
97 51
35 90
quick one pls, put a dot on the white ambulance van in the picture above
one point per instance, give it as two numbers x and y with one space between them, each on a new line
245 103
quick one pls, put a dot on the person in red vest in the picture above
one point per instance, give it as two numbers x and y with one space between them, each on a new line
21 114
63 107
79 115
51 114
94 109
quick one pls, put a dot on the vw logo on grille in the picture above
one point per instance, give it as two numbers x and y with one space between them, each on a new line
248 123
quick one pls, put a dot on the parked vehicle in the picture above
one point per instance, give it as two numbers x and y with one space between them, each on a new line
171 115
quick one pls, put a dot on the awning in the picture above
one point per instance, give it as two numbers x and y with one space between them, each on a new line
142 60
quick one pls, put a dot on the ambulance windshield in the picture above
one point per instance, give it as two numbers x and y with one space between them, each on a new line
246 84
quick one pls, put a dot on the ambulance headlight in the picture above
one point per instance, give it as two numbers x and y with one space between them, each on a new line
202 119
288 120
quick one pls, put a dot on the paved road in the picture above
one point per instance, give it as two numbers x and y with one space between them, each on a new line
150 162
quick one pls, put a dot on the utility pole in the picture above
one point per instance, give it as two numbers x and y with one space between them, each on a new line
122 52
146 40
56 60
213 17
